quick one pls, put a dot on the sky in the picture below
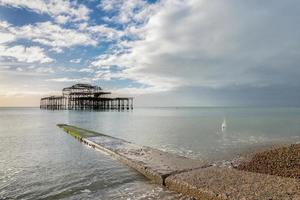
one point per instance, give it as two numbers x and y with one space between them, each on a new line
162 52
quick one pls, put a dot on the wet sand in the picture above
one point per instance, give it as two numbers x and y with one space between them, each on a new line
281 161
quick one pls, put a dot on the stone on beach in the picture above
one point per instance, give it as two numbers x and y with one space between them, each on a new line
225 183
283 161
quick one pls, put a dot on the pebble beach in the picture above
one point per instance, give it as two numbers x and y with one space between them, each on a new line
281 161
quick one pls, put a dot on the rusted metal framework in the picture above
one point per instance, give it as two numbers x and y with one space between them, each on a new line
86 97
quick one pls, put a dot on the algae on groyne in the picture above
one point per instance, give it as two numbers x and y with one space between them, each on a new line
187 176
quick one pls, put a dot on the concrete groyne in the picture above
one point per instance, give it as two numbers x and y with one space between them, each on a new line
195 178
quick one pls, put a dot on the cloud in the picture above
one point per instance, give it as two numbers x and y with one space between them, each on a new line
104 32
6 37
134 11
55 8
58 37
4 24
44 70
177 47
46 34
50 34
212 44
78 60
25 54
87 70
72 80
56 50
62 19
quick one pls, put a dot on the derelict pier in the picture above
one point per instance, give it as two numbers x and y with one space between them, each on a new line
86 97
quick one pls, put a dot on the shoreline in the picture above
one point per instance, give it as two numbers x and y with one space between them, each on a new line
190 177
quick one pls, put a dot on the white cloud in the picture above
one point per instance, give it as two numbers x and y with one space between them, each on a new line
50 34
134 11
73 80
25 54
89 70
75 60
54 8
57 37
67 69
108 5
6 37
4 24
44 70
102 31
62 19
209 44
83 26
56 50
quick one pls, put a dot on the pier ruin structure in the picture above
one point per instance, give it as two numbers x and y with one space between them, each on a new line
86 97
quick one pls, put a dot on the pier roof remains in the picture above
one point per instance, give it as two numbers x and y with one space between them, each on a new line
82 87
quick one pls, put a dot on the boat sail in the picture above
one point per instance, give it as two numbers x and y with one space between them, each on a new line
224 125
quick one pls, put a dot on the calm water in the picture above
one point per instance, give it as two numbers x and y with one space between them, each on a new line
39 161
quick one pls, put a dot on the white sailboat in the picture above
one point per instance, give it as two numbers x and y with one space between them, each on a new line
224 125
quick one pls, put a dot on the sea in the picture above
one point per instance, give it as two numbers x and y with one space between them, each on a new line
40 161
